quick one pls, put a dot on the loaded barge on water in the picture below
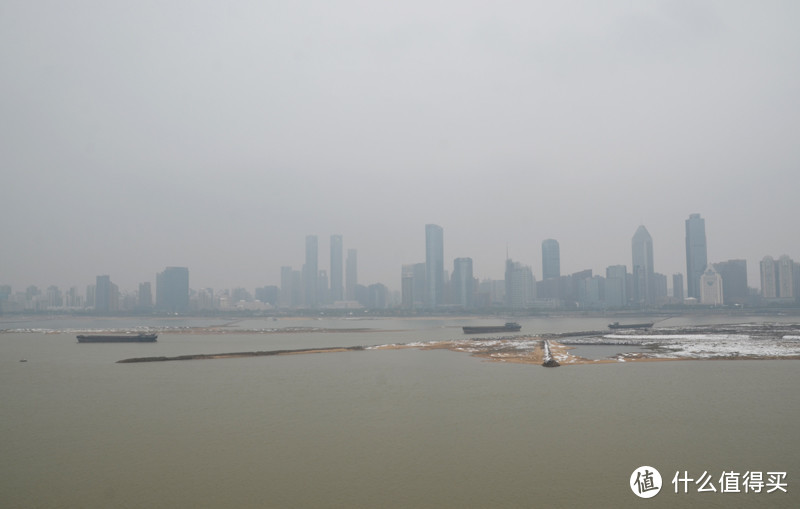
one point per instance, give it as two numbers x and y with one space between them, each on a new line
508 327
117 338
617 325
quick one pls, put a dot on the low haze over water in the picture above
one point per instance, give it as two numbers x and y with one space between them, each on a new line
390 428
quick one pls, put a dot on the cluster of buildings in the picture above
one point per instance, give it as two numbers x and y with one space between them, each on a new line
427 285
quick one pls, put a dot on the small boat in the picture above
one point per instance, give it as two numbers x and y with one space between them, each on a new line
508 327
117 338
617 325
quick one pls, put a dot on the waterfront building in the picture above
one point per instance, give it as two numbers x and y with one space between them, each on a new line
434 265
311 273
172 290
659 288
337 276
204 299
677 287
592 292
642 254
769 278
462 283
102 293
106 295
551 259
785 277
520 290
616 295
711 285
145 297
696 253
91 300
734 281
268 295
351 275
54 297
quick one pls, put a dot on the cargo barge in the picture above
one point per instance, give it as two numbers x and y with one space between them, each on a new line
508 327
617 325
117 338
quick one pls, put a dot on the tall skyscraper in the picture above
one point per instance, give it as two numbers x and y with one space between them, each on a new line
463 282
551 259
172 290
434 265
642 250
696 253
351 275
311 272
337 279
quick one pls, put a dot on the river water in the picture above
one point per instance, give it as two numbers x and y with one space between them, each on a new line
378 428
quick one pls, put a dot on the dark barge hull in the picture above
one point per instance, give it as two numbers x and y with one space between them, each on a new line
117 338
617 325
490 328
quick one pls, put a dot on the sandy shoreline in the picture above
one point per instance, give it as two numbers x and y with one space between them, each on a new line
498 351
721 342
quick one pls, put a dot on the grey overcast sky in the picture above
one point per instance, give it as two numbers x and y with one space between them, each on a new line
217 135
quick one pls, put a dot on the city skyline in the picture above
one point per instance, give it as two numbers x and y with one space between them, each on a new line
220 149
641 243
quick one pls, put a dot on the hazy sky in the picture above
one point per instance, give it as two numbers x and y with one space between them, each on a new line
217 135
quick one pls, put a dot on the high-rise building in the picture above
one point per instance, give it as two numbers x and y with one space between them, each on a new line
711 288
551 259
677 287
769 278
268 295
337 279
351 275
785 277
696 253
434 265
172 290
616 286
103 294
145 300
734 281
642 250
311 272
462 282
519 285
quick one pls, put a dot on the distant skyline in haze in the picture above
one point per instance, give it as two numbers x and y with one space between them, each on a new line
217 137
